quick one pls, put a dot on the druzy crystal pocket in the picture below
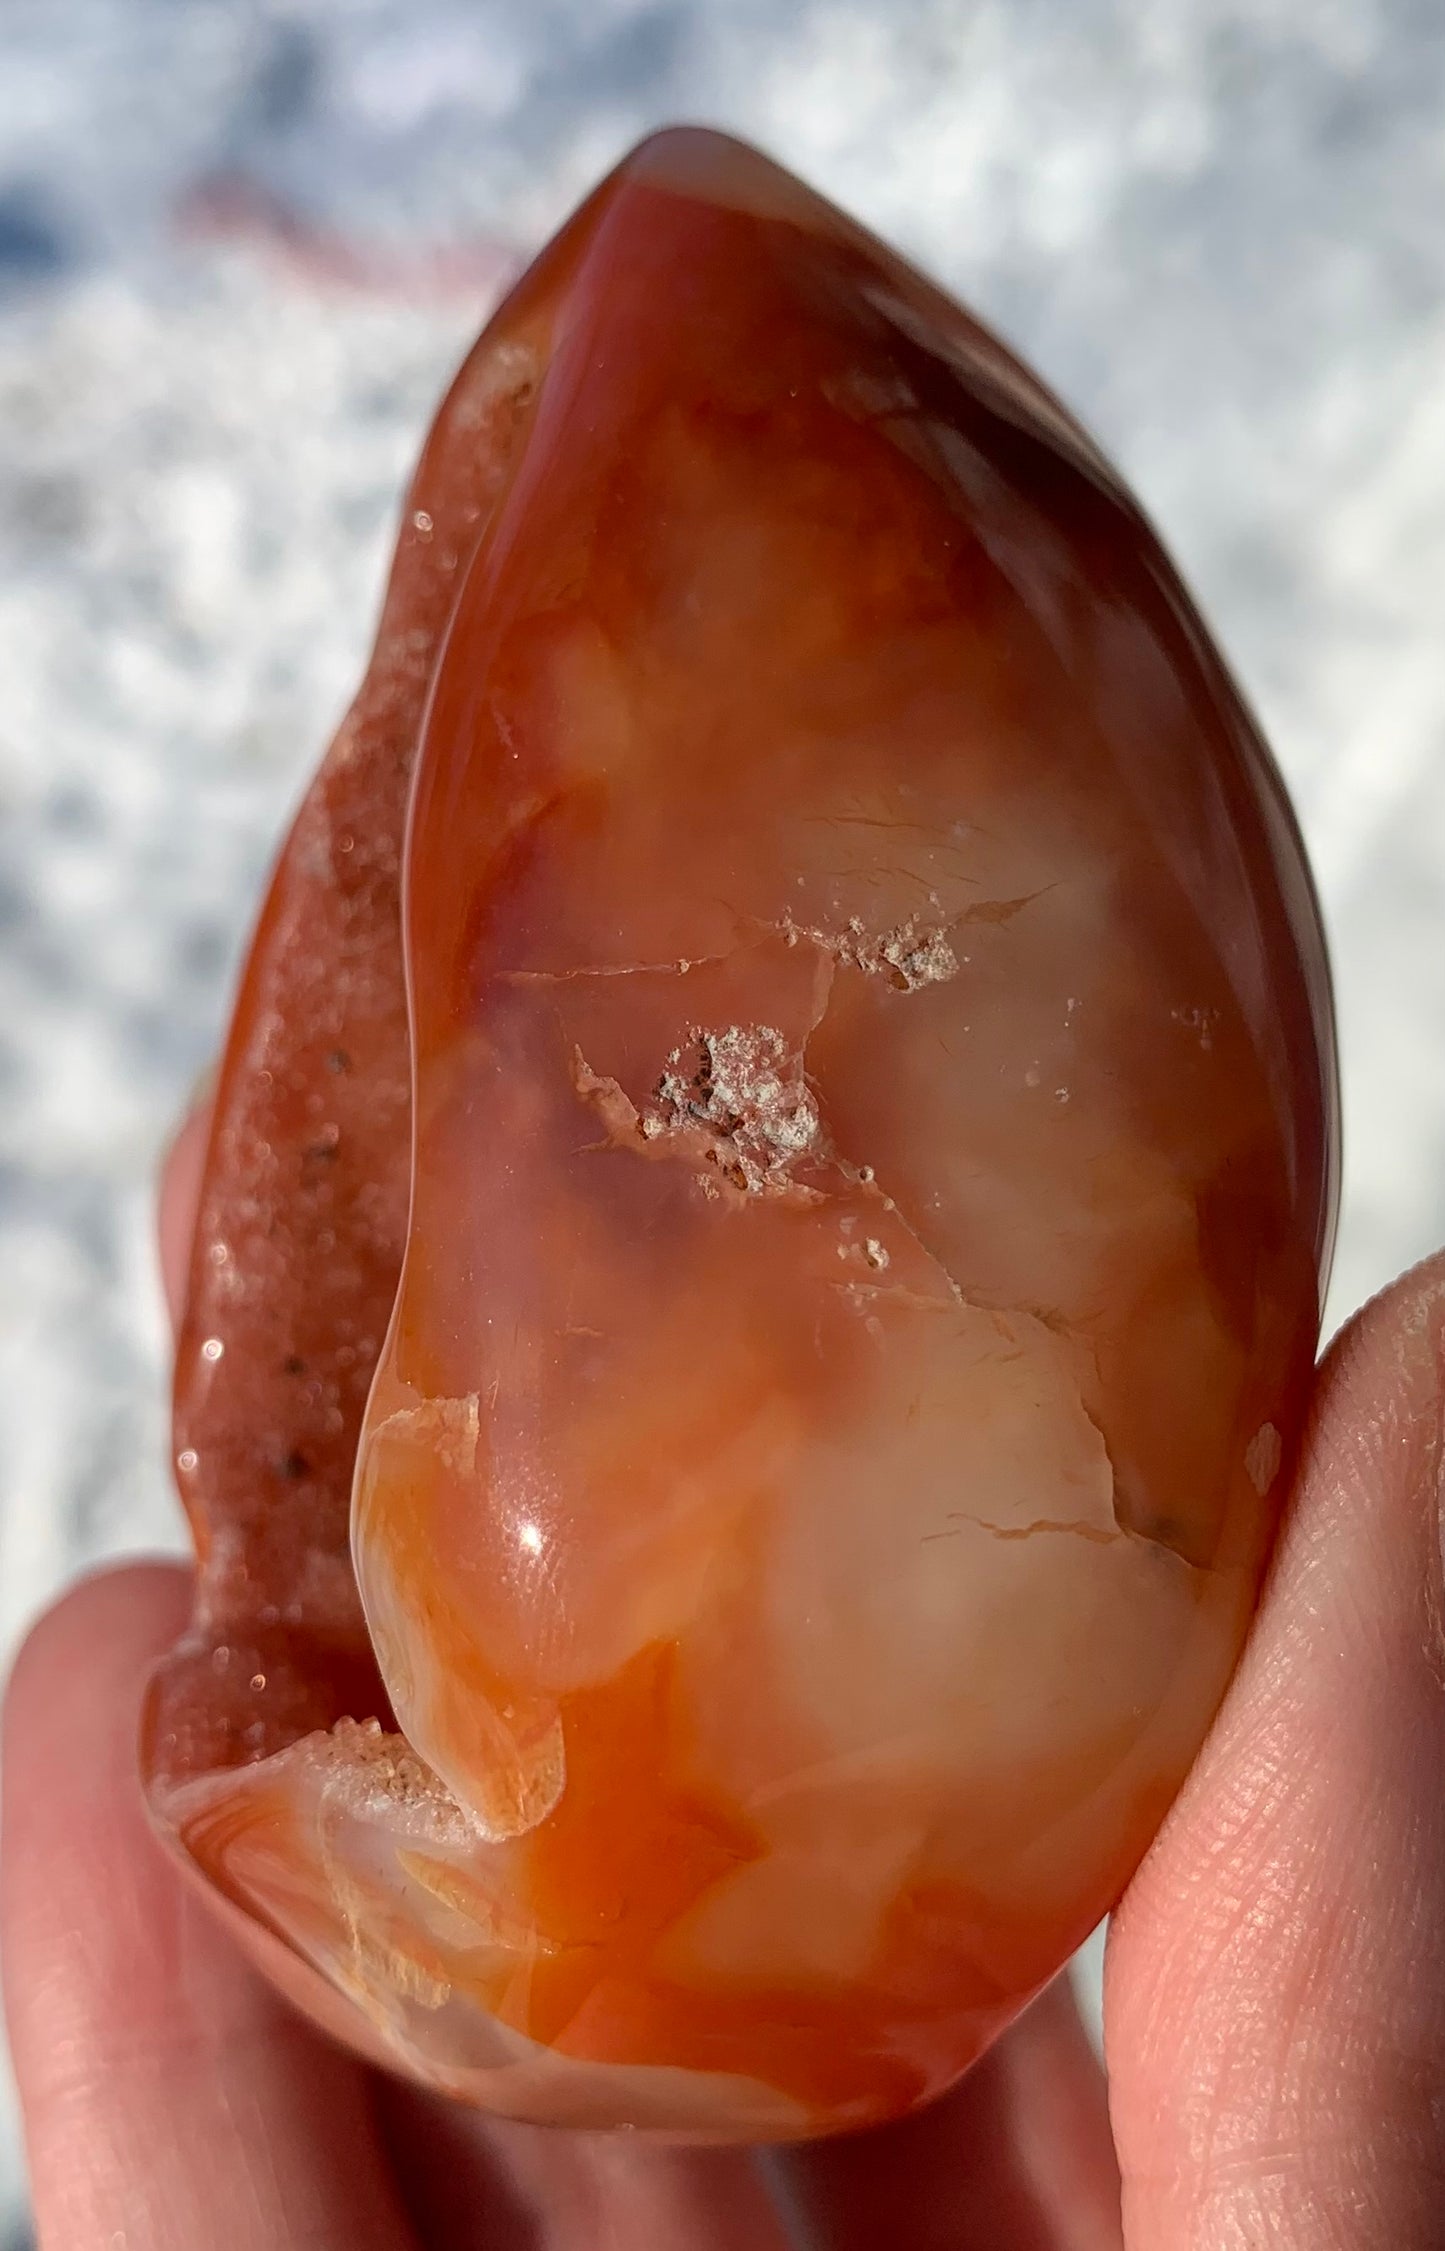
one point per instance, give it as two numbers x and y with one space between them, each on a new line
760 1252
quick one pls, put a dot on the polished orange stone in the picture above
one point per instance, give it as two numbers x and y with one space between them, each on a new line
872 1101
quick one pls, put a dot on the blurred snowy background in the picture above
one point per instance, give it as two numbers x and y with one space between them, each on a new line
242 242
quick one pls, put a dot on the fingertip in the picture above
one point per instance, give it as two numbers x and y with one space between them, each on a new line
71 1700
1381 1400
182 1171
70 1714
112 1617
1275 1987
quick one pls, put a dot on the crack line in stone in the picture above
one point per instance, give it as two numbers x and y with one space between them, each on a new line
678 968
839 946
873 1187
1081 1527
826 975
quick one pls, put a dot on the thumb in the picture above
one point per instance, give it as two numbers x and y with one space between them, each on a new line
1275 1997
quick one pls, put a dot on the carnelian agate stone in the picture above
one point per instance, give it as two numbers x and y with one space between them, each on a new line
849 1291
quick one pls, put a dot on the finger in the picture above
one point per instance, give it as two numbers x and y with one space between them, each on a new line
180 1194
1017 2158
1276 1978
170 2100
480 2184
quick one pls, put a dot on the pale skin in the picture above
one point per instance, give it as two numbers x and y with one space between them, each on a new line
1275 1989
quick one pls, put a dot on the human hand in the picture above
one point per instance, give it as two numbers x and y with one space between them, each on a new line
1275 1988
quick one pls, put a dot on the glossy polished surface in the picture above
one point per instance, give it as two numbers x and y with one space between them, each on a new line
873 1127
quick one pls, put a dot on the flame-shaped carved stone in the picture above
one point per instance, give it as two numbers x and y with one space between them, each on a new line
867 1137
